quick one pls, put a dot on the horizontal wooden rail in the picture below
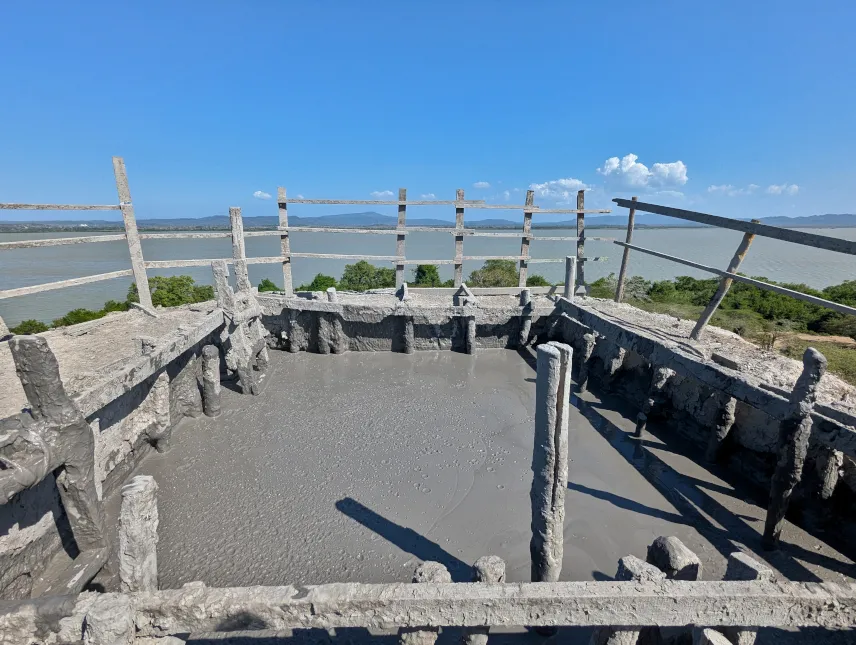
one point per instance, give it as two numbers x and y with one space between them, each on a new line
828 304
435 262
344 256
49 286
170 264
765 230
389 202
60 207
180 236
60 241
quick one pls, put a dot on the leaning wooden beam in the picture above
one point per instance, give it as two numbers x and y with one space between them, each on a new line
844 309
61 440
625 258
61 241
724 284
131 234
60 207
794 432
765 230
61 284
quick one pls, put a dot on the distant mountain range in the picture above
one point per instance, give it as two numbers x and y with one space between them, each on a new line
376 220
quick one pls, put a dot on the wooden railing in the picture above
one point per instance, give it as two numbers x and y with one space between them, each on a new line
139 265
750 230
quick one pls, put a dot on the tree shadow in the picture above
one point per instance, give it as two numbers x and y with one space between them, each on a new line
405 539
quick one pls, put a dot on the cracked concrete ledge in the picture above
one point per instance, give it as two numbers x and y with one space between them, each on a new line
121 618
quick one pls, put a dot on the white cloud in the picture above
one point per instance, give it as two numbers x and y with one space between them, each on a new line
481 184
560 189
381 194
300 197
260 194
428 196
783 189
506 195
628 172
733 191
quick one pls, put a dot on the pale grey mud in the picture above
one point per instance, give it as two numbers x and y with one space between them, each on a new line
358 466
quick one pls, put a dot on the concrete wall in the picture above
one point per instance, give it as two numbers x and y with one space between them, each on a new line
33 527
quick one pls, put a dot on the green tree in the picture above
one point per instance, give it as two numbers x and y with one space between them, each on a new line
267 285
363 276
537 281
173 291
77 316
29 327
320 282
426 275
494 273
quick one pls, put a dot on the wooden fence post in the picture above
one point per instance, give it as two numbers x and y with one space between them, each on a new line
138 265
239 251
581 240
399 244
459 238
724 284
625 258
794 432
524 242
284 244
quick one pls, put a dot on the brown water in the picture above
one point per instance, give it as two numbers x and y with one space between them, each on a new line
774 259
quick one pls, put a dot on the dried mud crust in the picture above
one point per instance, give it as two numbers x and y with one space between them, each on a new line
766 367
89 352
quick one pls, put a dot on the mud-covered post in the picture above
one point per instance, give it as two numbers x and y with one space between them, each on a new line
570 277
409 336
138 265
239 251
211 380
490 569
550 460
425 572
524 240
794 431
625 257
138 535
589 341
724 284
525 317
724 422
331 295
656 397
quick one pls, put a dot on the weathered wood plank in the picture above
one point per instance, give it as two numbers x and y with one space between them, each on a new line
400 240
343 256
284 241
392 202
60 207
785 234
524 241
189 236
131 234
625 258
61 284
169 264
828 304
60 241
459 238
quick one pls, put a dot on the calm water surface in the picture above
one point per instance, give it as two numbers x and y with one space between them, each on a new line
776 260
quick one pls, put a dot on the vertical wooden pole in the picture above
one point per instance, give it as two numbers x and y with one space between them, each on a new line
524 242
399 245
459 238
581 240
138 265
724 284
284 244
239 252
625 258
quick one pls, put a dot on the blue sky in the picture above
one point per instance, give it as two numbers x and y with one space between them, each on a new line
737 108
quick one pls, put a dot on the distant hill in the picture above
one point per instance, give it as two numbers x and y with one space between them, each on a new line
376 220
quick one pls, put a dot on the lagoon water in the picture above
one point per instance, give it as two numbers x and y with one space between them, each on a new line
780 261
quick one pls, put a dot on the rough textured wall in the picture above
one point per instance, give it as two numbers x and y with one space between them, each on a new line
33 526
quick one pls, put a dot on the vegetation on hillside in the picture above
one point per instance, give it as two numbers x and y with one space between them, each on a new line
166 292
